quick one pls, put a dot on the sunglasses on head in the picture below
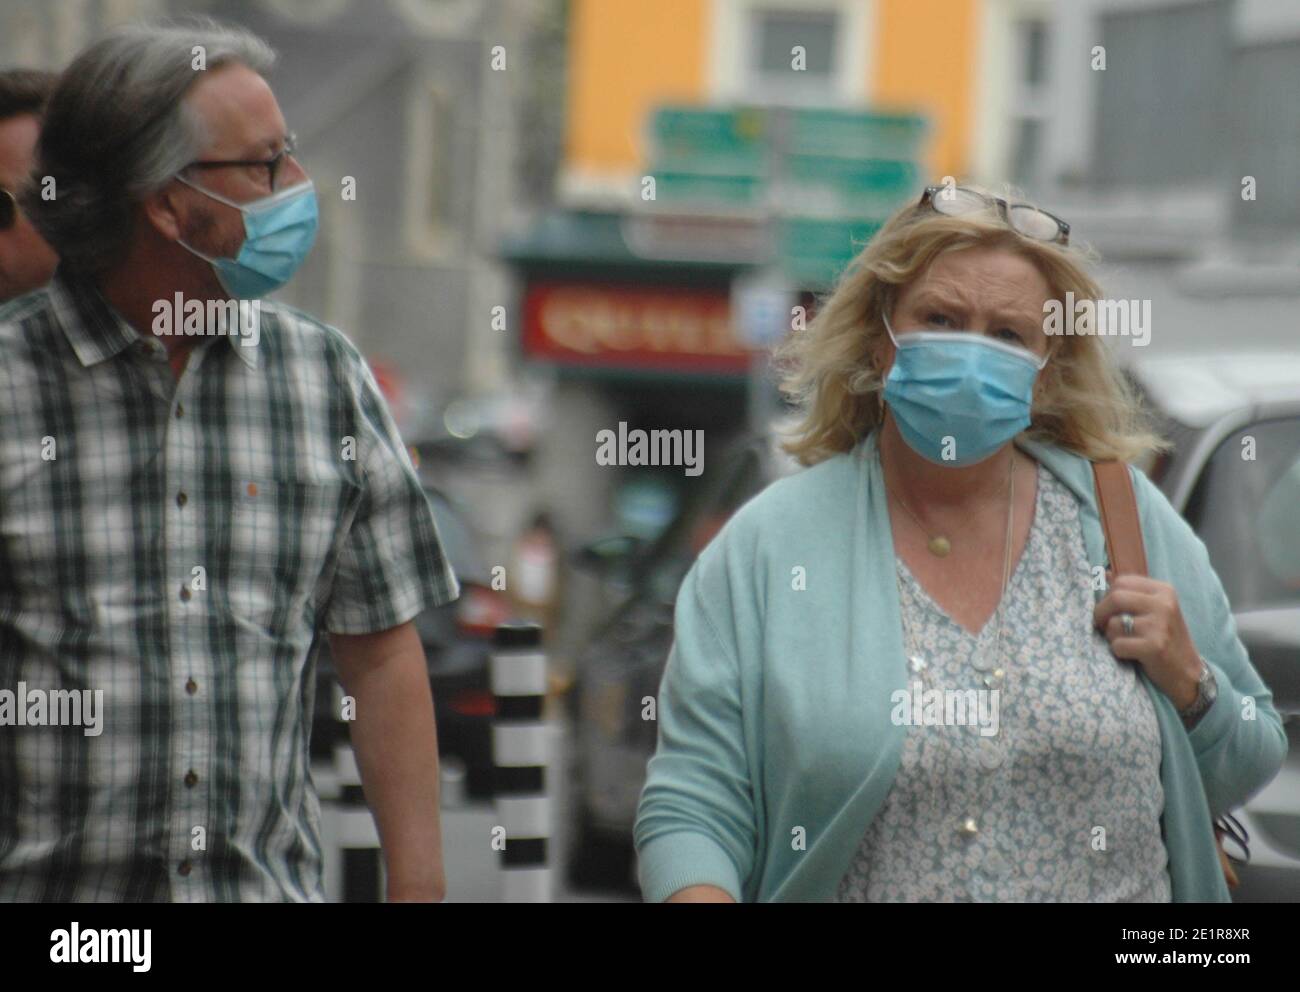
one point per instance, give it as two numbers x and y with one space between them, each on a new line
955 201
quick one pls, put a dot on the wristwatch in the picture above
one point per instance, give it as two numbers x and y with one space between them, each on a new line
1207 691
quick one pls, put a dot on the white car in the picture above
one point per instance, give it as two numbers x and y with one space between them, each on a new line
1234 474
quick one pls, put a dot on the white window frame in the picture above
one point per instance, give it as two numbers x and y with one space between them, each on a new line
425 240
1070 143
306 11
1002 99
440 18
1169 222
732 47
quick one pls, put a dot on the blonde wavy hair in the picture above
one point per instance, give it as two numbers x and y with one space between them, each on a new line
1081 400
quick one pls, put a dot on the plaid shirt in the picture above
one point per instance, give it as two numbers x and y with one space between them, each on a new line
181 546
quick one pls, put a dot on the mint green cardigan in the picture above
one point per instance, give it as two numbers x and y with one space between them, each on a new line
773 713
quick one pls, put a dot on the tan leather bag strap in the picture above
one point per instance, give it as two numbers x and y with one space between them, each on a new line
1119 518
1117 505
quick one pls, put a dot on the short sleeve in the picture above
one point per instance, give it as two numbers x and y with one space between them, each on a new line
392 565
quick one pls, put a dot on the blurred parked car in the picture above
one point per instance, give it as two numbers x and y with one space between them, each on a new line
457 639
619 670
1234 474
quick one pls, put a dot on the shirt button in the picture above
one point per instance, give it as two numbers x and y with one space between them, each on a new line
180 410
968 828
990 753
191 687
181 498
185 594
191 780
185 867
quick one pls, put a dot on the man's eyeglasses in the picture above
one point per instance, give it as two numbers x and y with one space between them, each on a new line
8 210
954 201
272 164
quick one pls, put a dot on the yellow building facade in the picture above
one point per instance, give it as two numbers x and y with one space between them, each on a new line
953 61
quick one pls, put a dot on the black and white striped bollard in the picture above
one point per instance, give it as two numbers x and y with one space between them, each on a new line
520 754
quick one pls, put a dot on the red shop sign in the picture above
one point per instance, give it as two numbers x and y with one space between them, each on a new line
599 325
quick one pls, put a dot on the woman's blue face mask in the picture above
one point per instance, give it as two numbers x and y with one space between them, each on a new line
958 397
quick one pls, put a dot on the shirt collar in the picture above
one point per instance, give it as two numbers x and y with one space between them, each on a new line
96 331
247 355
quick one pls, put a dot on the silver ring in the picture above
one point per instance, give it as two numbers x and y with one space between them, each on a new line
1126 621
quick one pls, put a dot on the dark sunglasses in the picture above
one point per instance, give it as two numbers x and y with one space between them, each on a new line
8 210
272 164
954 201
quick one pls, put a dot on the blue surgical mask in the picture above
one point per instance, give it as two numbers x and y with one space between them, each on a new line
279 231
960 386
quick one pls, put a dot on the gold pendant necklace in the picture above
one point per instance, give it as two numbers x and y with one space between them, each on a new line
937 544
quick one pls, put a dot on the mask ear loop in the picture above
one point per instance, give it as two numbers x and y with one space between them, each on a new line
889 330
880 393
215 196
208 193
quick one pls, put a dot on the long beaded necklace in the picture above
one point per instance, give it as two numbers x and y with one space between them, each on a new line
994 675
990 750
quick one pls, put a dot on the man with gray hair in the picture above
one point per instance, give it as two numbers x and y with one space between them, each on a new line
183 517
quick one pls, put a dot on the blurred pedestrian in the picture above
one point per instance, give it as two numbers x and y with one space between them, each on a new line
183 517
891 679
26 261
535 592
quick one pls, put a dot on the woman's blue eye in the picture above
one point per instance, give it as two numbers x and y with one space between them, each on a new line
934 318
1008 334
